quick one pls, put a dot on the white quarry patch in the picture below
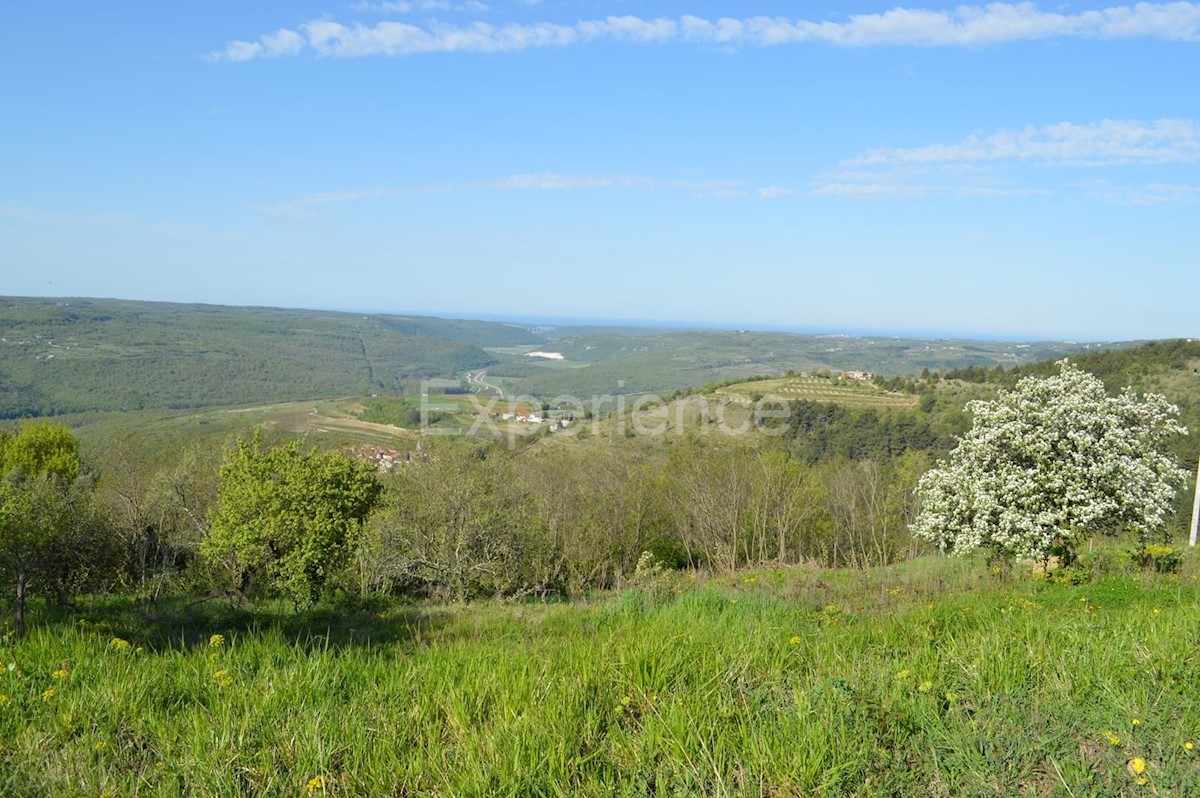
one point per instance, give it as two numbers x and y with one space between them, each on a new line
547 355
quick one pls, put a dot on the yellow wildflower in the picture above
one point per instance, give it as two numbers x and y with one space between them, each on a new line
61 673
100 746
3 699
1189 745
1136 722
925 687
904 674
117 644
48 694
1136 766
216 641
222 678
795 641
1112 738
316 783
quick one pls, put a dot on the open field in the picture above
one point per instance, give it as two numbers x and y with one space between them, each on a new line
936 677
333 421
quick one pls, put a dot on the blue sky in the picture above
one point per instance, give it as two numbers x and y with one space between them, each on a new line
1015 170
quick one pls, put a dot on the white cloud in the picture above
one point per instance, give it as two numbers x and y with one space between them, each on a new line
1150 194
1099 143
887 189
985 164
775 192
270 45
962 26
418 6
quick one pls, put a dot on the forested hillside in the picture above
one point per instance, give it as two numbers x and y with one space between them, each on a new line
72 355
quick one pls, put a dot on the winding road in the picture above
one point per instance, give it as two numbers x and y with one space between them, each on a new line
479 379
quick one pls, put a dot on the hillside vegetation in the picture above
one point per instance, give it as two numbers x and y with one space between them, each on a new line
68 356
75 355
599 363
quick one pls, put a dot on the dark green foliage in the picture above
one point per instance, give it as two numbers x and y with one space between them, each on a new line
824 431
1130 365
478 333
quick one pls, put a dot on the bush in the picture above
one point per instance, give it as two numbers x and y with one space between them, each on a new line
1160 557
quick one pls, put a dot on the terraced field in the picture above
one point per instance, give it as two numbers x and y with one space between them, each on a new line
851 393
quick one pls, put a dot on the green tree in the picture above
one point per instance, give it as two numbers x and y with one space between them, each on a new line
291 516
39 499
1050 463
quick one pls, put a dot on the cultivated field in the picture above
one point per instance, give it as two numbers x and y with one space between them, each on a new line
851 393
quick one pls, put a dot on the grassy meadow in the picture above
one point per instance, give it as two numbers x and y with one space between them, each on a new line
933 677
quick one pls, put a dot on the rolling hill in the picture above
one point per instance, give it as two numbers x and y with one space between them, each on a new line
74 355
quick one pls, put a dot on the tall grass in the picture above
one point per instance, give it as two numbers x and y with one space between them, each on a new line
932 678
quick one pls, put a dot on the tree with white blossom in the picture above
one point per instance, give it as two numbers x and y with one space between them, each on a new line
1050 463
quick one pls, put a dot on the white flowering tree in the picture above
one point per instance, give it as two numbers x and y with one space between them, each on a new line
1050 463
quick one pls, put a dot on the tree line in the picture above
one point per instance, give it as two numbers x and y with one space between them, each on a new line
263 516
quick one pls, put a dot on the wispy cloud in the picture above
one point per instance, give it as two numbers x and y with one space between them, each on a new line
891 189
534 181
1100 143
1150 194
418 6
962 26
983 164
